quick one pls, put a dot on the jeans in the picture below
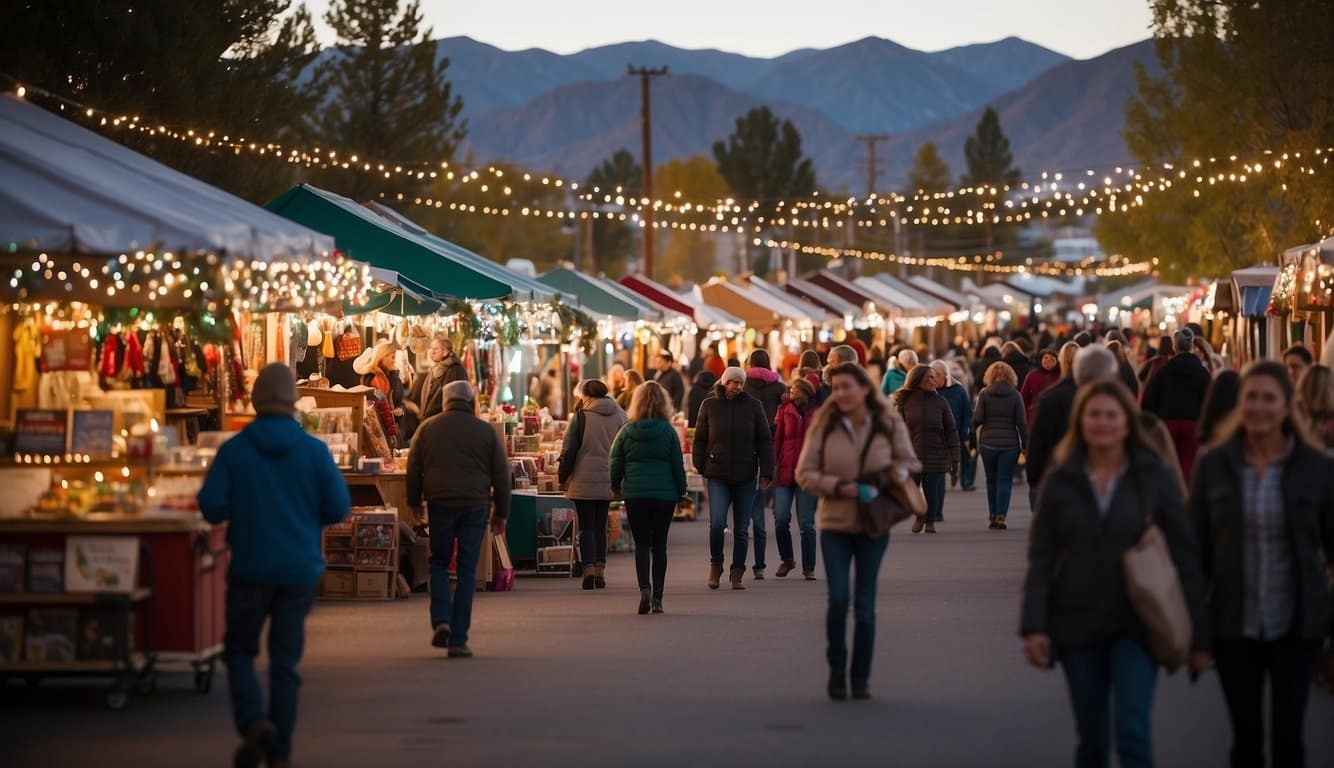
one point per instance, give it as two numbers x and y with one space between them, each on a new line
758 518
650 519
784 498
467 527
741 498
1119 668
999 464
592 530
841 552
285 607
1243 666
933 488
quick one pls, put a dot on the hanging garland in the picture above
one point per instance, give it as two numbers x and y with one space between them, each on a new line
201 326
575 324
509 328
467 326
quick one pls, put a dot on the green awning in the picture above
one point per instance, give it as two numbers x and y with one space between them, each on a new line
361 234
594 296
395 295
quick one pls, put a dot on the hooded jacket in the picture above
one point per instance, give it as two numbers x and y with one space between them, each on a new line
276 487
732 438
1000 417
767 387
1075 590
458 460
789 437
587 450
894 378
935 437
646 461
1037 382
699 390
1176 392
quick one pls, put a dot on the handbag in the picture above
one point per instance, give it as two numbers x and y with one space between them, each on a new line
1154 588
891 505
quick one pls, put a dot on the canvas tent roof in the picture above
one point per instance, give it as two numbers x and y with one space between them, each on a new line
932 303
595 296
823 297
737 301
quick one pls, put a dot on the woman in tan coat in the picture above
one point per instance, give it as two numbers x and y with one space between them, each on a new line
856 432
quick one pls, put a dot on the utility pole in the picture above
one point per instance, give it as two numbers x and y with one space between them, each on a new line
646 74
871 140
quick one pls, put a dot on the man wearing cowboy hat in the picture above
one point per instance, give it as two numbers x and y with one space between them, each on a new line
425 401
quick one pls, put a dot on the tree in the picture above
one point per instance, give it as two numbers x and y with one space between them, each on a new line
929 173
1239 78
689 255
233 67
762 163
987 153
612 240
388 98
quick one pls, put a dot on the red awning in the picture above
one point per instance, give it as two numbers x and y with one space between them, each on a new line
659 294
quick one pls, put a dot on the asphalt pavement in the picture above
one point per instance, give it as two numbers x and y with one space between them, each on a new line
567 677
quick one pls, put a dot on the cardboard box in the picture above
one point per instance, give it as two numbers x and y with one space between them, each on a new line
561 554
373 584
339 584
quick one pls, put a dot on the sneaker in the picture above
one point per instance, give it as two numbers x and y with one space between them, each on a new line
785 569
441 637
460 652
759 574
261 741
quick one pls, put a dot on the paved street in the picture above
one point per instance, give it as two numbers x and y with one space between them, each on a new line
565 677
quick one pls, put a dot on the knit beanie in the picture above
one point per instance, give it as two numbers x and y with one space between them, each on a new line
274 393
458 390
733 372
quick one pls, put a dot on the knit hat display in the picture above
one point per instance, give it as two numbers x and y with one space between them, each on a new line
458 390
274 392
733 372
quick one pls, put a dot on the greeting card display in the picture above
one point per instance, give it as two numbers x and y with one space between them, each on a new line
101 563
92 433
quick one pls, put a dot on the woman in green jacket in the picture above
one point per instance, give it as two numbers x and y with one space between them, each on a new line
648 471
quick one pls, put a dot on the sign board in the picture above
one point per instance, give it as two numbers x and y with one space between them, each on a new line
92 433
40 432
68 349
101 563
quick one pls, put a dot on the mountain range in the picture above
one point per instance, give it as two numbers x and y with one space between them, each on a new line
565 113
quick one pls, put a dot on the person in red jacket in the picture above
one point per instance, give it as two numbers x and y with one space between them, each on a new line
1037 381
795 415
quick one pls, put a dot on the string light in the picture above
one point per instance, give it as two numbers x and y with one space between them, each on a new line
1113 266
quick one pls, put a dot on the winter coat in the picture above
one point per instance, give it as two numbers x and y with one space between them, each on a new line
646 462
675 386
961 408
586 454
1216 509
1000 418
832 456
935 437
1034 385
1075 589
1176 392
425 398
767 387
1129 378
789 438
699 390
1051 419
276 487
1021 364
989 356
894 378
732 438
458 460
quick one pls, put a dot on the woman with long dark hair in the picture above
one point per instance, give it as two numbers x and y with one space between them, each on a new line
935 439
855 433
1105 484
1219 402
647 470
1262 500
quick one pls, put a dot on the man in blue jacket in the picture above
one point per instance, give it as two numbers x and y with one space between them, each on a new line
276 488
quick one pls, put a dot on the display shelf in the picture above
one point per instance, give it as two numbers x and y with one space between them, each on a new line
74 666
188 523
72 598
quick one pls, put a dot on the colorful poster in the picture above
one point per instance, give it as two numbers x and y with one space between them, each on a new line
92 433
40 433
101 563
69 349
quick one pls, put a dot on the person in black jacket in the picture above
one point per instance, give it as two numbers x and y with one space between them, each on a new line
1262 501
699 392
1051 421
1105 482
1014 355
732 443
1175 395
670 378
1002 435
935 439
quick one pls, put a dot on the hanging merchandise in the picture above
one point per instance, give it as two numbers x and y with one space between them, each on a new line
299 341
27 349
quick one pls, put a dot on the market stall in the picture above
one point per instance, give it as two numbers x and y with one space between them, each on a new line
1255 332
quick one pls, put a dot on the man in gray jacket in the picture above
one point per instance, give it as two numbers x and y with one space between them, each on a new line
457 465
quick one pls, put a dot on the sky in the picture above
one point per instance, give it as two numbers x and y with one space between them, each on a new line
1079 28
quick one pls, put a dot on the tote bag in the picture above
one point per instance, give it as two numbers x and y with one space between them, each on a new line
1155 592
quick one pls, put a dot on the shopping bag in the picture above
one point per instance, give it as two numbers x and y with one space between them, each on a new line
1155 592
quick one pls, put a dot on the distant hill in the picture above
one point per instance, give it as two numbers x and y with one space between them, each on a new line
731 69
1005 64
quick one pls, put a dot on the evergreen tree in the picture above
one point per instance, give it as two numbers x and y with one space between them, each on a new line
387 95
987 153
233 67
929 173
613 241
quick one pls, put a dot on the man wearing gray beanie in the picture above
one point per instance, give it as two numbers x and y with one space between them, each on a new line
276 487
457 466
